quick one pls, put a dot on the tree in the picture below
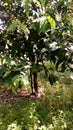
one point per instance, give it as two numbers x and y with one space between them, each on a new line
31 28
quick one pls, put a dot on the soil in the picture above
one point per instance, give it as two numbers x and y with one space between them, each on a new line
8 96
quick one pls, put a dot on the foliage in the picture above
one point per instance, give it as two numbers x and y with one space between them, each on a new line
17 24
37 31
31 33
18 81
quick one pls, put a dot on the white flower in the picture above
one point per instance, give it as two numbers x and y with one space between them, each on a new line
54 46
58 16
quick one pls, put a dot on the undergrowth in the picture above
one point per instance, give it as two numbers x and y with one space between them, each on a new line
53 111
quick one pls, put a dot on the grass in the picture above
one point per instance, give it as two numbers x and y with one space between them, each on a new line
53 111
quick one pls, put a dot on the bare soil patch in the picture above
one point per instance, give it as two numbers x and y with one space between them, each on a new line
8 96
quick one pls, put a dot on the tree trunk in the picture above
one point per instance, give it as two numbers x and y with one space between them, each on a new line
31 81
35 81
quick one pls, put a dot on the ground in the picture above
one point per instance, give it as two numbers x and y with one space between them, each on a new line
8 96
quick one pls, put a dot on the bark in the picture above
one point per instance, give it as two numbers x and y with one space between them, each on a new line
31 81
35 81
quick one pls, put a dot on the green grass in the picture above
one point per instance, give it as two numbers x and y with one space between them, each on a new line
53 111
20 116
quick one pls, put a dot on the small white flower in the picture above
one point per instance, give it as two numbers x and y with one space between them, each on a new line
54 46
58 16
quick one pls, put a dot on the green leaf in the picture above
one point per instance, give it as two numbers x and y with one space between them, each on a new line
19 81
26 5
43 2
42 24
37 26
52 79
3 69
52 22
44 27
8 1
20 26
36 68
